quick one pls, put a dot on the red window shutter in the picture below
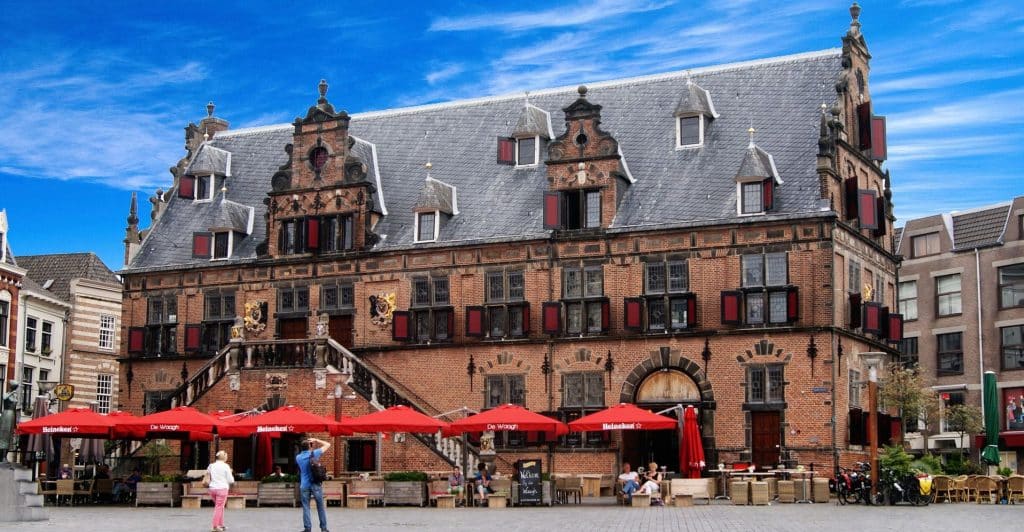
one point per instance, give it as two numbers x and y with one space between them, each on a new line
201 245
312 233
866 206
855 311
475 321
606 315
768 195
451 323
506 150
632 308
895 334
731 307
872 318
526 319
552 214
192 337
187 187
551 311
864 124
880 216
851 197
691 312
883 322
400 321
879 152
792 304
136 340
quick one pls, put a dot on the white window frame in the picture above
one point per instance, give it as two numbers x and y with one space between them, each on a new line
106 338
679 132
416 228
212 188
739 198
536 152
213 245
902 303
104 392
35 334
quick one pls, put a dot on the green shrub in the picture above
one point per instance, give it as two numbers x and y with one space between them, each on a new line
957 464
406 476
1005 471
894 462
271 479
929 463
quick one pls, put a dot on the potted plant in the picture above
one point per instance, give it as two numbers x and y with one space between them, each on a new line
405 487
278 490
159 489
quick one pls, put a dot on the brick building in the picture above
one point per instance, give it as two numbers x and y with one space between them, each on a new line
719 237
961 293
10 286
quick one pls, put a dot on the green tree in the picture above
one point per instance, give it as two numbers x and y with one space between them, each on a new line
964 419
904 389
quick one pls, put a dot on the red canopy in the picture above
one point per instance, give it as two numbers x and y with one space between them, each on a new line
508 418
182 421
623 416
122 431
285 419
691 449
395 419
74 422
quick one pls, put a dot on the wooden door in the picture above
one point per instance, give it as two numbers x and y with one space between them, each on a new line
340 329
293 329
765 438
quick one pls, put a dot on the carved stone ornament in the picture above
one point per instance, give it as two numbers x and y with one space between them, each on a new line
322 320
320 379
276 382
234 381
866 292
382 306
255 317
487 442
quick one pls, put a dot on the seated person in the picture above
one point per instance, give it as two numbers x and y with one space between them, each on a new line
277 472
652 483
103 471
630 481
65 472
483 481
123 490
455 485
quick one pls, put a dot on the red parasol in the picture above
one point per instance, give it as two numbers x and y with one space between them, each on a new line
181 421
395 419
74 422
285 419
623 416
508 418
691 450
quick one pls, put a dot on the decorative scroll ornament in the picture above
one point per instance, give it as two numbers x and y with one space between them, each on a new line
866 292
382 306
255 316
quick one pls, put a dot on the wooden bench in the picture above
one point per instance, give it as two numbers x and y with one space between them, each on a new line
356 501
641 500
371 490
436 489
497 500
682 500
191 501
334 490
235 502
249 489
444 501
277 493
693 488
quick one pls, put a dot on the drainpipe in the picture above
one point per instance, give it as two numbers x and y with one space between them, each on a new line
981 341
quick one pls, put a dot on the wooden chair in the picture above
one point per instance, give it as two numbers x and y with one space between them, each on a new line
46 493
960 488
66 490
435 488
1015 489
103 490
986 489
969 494
944 488
85 492
573 489
502 486
607 485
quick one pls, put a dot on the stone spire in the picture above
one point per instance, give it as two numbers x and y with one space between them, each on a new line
133 212
132 238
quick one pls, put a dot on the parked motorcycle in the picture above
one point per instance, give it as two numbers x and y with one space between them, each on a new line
854 485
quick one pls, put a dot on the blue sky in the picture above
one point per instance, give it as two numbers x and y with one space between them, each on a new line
94 95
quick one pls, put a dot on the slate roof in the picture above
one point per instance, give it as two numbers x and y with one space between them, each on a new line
695 100
231 215
438 196
533 122
980 227
209 160
780 97
62 268
758 163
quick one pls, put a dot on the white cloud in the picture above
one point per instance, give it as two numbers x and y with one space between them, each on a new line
559 16
982 111
955 147
941 80
443 73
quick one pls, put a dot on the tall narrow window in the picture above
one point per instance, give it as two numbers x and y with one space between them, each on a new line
222 244
291 238
5 315
947 294
1012 346
907 293
46 338
767 298
219 317
336 233
106 340
27 375
430 308
689 131
506 311
766 383
426 227
526 151
583 297
669 305
31 328
908 352
581 209
162 325
753 197
854 388
1011 286
951 354
104 385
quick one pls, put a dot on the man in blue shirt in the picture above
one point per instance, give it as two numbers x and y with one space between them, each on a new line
307 488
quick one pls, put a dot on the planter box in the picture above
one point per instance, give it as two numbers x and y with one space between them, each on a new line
277 493
168 493
405 493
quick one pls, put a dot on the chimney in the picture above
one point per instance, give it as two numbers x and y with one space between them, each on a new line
211 125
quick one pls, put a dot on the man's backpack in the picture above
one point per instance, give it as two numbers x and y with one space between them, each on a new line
317 471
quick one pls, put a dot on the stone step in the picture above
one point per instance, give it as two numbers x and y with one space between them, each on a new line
29 488
30 501
31 514
21 473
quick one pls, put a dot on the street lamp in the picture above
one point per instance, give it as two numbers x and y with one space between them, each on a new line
873 359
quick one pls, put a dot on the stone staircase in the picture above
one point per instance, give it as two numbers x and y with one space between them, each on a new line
18 497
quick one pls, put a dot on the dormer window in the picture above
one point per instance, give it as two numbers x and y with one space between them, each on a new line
222 244
689 131
527 151
205 187
427 226
756 197
572 209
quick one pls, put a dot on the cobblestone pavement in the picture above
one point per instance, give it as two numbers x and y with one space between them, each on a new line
589 517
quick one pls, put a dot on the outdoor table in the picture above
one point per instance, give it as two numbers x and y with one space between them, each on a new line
723 478
591 485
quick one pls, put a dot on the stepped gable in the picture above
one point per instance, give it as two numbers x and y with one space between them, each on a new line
62 268
780 97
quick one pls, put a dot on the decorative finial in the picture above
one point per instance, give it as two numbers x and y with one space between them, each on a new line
824 108
209 109
206 136
750 131
322 87
133 210
582 89
854 22
526 97
855 11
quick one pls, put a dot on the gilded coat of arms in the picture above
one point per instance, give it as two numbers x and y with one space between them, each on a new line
382 306
255 316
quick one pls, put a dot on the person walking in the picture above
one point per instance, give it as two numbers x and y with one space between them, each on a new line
221 479
307 487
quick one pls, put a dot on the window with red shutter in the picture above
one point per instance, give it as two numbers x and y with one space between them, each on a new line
192 338
768 194
866 206
475 321
879 151
864 124
552 210
632 307
851 197
136 340
872 318
731 307
186 187
400 321
606 315
551 313
855 311
506 150
895 333
201 245
880 215
792 304
526 318
312 233
691 312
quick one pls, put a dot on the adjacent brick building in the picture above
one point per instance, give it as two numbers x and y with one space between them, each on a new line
961 293
718 237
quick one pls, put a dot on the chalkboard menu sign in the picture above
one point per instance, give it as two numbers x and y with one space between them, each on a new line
530 484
